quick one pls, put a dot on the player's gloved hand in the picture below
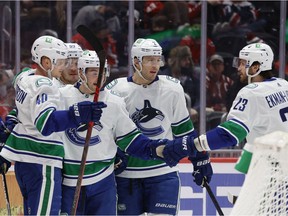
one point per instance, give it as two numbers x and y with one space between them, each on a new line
5 129
202 168
156 148
177 149
86 111
4 165
173 150
121 162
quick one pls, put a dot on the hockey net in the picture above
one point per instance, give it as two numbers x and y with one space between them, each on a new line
265 189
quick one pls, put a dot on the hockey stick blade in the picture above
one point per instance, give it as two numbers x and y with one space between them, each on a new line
6 194
213 198
97 46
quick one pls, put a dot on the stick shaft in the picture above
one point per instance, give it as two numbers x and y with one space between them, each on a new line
6 194
213 198
97 46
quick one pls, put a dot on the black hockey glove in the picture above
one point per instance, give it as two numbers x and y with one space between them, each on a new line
86 111
121 162
202 168
5 129
4 165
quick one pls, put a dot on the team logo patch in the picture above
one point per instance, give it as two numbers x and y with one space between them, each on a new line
172 79
121 207
78 136
146 116
252 86
115 93
111 84
43 81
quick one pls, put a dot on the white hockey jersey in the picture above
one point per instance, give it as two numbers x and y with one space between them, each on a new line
36 98
258 109
58 83
115 128
159 111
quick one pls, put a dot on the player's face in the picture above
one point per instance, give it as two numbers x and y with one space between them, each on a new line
92 77
151 66
59 67
70 73
242 70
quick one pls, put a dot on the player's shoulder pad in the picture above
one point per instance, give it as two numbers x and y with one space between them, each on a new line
113 97
110 85
170 79
251 86
115 93
113 83
43 81
23 73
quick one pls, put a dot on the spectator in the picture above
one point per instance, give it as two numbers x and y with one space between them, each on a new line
192 39
95 18
6 93
180 66
217 84
239 15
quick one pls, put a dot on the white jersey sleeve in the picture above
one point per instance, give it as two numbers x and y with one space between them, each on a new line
36 98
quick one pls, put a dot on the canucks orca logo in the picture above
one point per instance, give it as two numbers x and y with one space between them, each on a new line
148 114
77 137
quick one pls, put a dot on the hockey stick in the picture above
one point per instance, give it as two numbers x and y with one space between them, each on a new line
213 198
97 46
6 194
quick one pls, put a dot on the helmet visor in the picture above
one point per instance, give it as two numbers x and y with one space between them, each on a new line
238 62
62 63
152 61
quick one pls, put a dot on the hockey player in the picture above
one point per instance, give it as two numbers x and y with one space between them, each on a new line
259 108
70 73
98 195
157 106
34 147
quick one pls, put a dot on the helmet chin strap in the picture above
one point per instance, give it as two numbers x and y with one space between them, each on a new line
251 76
139 72
85 81
49 71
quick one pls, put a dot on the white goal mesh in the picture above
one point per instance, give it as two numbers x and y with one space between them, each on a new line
265 189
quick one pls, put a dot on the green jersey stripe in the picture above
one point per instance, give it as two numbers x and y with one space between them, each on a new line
72 169
41 147
182 128
238 131
42 119
125 141
47 188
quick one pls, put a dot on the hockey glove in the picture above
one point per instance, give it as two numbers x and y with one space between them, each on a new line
177 149
121 162
4 165
5 129
86 111
202 168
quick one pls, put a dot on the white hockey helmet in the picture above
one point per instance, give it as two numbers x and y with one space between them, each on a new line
145 47
49 46
74 50
257 52
88 59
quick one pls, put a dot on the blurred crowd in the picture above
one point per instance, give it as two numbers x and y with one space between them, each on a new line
176 25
